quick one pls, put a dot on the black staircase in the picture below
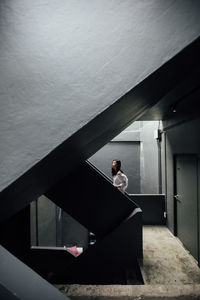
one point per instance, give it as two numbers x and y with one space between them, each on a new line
89 197
40 76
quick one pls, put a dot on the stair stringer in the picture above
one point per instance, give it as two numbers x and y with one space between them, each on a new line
105 262
58 163
111 257
89 197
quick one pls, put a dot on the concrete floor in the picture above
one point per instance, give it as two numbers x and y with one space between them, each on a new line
168 269
165 259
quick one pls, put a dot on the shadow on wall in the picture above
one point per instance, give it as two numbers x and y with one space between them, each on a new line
138 150
128 153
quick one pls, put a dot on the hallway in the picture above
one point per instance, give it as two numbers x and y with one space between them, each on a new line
165 259
168 270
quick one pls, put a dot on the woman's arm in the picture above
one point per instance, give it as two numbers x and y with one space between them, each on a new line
122 179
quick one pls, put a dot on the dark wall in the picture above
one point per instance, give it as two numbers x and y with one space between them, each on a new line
52 227
88 196
17 281
139 153
153 208
180 139
149 159
62 64
116 220
46 222
15 233
43 222
58 135
129 154
73 233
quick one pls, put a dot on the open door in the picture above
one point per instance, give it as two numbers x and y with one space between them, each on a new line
186 207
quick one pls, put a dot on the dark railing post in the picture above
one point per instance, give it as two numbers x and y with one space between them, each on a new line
36 222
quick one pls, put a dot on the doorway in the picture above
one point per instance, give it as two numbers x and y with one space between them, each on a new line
186 202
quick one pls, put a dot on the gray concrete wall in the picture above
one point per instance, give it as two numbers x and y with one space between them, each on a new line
149 159
46 222
180 139
73 233
56 228
130 134
33 224
138 151
63 63
128 153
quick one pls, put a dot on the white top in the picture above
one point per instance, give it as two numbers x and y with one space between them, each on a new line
121 180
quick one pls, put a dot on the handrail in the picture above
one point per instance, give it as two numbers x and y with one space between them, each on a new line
146 194
108 179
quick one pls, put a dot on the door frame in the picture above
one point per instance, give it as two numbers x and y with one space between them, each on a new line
175 192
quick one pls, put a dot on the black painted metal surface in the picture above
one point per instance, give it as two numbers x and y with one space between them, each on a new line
22 282
110 258
153 208
89 197
92 200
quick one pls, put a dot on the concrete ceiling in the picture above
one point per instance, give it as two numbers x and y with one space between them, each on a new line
75 74
181 103
62 63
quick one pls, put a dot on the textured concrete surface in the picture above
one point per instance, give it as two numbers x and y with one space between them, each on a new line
169 272
135 292
165 259
63 63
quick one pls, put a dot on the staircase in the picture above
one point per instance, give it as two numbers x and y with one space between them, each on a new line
73 76
89 197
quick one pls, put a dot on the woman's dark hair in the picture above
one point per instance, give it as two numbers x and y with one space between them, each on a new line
118 167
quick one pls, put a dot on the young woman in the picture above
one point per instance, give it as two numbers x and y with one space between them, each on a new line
120 180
